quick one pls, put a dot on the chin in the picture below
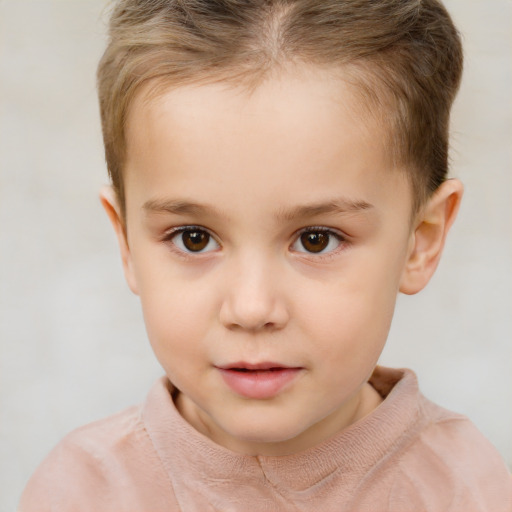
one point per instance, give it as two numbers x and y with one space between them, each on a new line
269 432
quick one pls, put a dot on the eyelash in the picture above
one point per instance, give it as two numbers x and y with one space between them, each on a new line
170 235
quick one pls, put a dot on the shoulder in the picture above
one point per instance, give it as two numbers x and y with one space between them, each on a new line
96 467
450 463
93 446
431 459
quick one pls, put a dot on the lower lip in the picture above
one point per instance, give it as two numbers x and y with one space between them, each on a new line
259 384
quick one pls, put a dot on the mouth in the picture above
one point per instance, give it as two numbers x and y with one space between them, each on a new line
242 366
259 381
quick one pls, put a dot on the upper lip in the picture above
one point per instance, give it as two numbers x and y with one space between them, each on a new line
265 365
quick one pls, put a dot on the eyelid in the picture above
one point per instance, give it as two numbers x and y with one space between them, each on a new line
171 232
324 229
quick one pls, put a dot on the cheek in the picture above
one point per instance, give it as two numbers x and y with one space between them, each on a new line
354 312
173 298
177 315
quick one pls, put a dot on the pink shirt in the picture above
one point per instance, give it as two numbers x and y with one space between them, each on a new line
407 455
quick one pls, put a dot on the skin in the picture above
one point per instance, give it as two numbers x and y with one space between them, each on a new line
253 171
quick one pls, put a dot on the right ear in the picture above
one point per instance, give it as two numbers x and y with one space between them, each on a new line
110 203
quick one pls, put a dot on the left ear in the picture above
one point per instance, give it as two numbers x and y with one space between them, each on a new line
429 235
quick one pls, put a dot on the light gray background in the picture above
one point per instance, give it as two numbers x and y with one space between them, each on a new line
73 347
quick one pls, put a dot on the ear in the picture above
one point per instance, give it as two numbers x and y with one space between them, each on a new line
110 203
429 234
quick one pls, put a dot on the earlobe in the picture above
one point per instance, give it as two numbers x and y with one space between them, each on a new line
429 235
111 206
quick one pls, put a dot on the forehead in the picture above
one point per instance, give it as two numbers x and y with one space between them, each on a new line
294 132
295 95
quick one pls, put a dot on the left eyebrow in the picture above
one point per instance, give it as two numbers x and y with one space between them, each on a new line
335 206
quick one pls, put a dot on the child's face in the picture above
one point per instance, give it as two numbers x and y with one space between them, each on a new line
265 230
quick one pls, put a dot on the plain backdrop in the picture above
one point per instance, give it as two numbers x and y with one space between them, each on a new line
73 345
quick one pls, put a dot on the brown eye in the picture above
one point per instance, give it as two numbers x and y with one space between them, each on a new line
195 240
314 241
318 240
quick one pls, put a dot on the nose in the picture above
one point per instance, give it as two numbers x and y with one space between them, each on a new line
253 300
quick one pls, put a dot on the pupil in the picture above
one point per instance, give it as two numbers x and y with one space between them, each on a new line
314 242
195 240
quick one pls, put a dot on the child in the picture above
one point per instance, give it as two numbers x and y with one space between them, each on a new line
279 175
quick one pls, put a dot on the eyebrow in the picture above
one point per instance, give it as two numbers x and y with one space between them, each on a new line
179 207
334 206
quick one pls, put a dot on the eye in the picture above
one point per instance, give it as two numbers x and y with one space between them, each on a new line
317 241
193 240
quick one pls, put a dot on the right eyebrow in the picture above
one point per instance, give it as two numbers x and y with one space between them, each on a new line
179 207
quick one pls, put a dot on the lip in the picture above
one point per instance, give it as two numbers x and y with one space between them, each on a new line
258 381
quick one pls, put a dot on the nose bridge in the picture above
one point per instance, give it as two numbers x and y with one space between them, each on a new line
253 298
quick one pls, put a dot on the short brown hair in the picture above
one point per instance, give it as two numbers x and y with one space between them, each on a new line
407 52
